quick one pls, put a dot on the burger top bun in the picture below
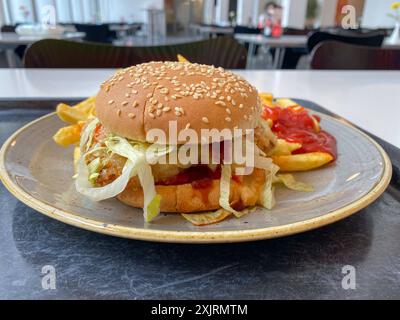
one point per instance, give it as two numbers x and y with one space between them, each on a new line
150 95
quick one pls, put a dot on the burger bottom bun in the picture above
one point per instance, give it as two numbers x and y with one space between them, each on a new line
186 199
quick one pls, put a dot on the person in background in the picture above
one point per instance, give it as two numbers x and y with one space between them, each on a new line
266 18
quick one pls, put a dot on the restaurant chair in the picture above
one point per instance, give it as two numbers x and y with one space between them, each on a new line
293 55
296 32
334 55
100 33
223 52
371 39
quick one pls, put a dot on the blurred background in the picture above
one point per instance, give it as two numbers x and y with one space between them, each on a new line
237 34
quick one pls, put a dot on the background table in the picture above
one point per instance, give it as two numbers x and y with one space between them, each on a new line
282 43
305 266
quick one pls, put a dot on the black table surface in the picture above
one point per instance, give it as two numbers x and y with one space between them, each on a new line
94 266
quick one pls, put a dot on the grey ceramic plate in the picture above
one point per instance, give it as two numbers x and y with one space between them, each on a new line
39 173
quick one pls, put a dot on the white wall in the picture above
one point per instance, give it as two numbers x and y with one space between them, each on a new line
248 11
17 14
375 14
327 13
131 11
3 18
294 13
222 12
209 12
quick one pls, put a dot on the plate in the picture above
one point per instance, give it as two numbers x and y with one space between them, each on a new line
39 173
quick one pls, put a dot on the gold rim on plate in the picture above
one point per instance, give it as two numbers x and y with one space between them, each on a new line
189 236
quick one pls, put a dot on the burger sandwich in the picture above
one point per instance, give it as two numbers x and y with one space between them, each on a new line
123 156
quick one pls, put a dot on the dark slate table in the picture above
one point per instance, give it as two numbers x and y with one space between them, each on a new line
94 266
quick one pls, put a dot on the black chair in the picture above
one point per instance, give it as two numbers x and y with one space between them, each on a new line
221 52
100 33
372 39
334 55
247 30
296 32
8 28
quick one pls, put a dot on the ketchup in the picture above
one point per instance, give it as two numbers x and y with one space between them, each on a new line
295 124
201 177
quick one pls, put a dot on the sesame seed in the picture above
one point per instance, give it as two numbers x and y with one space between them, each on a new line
134 91
159 113
152 115
119 112
229 98
228 119
221 103
228 111
125 103
131 116
135 104
149 95
205 120
241 106
187 126
166 109
127 95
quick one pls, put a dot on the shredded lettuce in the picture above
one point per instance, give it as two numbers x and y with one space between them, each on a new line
87 135
84 186
94 168
136 165
268 197
290 182
207 218
225 190
151 205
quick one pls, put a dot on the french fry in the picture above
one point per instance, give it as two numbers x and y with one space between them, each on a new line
182 58
267 99
284 148
81 112
317 126
302 162
285 103
68 135
77 156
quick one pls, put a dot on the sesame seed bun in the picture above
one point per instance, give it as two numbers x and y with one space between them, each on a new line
150 95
